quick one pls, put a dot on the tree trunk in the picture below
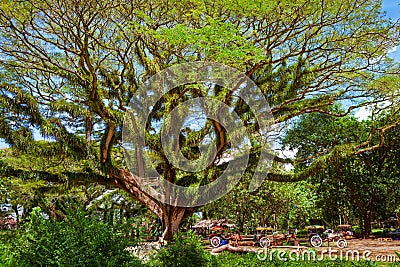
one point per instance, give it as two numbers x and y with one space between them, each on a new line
171 219
88 129
368 215
398 219
15 207
171 216
105 215
242 222
367 223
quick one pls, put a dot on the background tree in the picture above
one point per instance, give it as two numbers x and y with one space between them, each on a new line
69 69
362 184
49 181
280 205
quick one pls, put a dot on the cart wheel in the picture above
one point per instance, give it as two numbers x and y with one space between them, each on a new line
341 243
264 242
215 241
316 241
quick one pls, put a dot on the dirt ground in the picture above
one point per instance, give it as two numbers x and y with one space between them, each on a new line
372 249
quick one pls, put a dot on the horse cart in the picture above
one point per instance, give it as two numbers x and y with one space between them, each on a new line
317 236
217 237
264 236
346 231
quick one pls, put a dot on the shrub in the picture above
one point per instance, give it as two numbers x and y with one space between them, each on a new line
184 251
5 255
75 241
357 230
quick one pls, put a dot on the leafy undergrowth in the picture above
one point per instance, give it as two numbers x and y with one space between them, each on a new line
77 240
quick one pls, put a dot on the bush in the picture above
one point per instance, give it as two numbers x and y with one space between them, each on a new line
357 230
5 256
74 241
242 260
184 251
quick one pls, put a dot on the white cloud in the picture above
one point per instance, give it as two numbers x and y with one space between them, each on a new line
3 144
287 154
392 49
363 113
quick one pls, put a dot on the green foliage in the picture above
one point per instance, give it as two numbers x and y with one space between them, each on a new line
357 229
44 178
351 180
398 256
284 204
75 241
316 133
184 252
282 259
5 247
231 259
302 232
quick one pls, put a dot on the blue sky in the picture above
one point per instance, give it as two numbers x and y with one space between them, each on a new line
392 9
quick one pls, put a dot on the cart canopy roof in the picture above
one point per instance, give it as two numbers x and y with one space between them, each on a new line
207 223
314 227
264 229
217 228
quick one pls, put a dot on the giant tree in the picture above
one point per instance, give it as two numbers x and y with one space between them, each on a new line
70 68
